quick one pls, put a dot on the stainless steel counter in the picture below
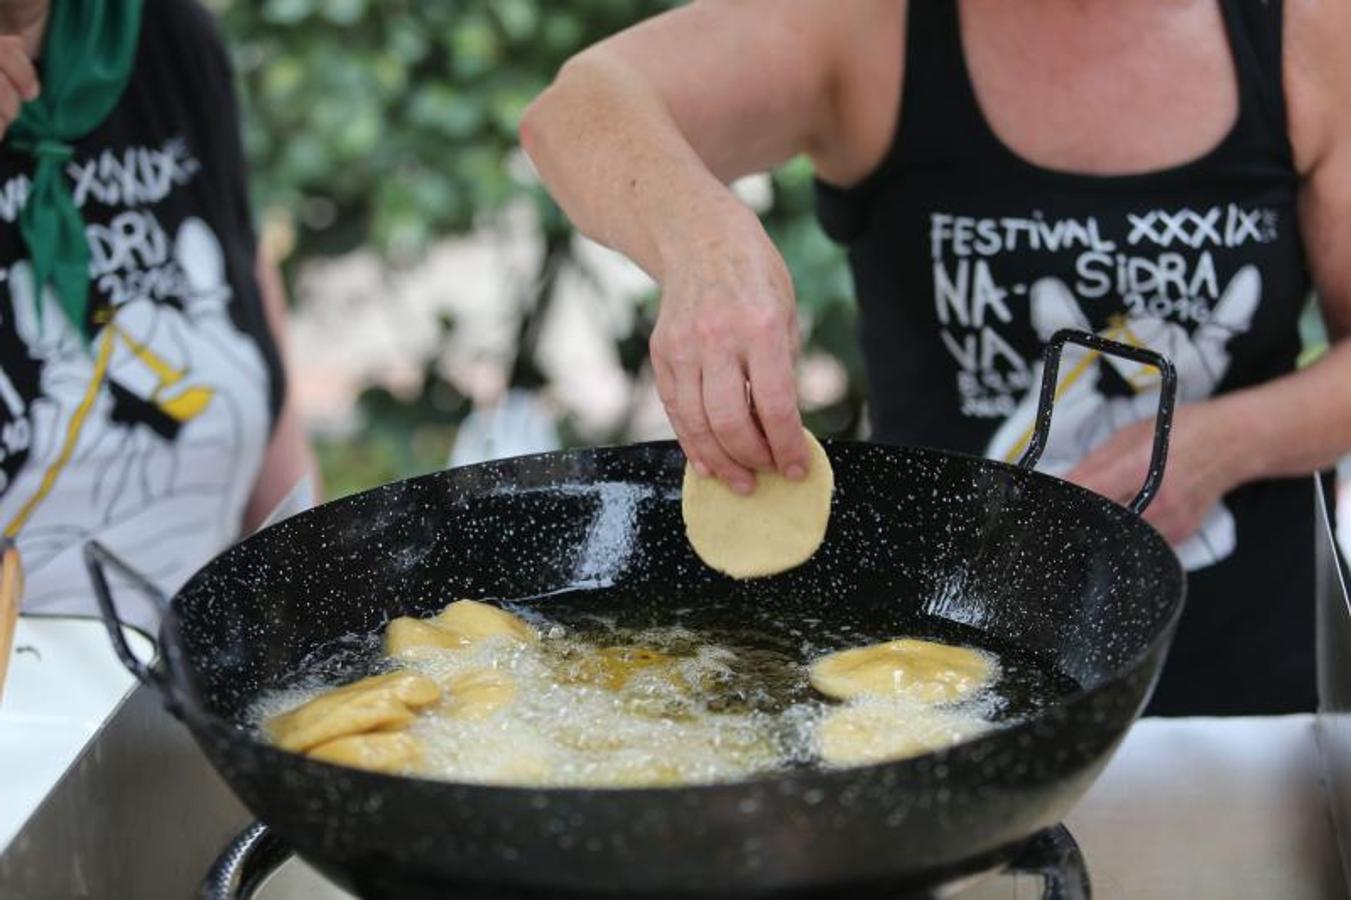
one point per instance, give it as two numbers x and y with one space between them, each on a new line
139 816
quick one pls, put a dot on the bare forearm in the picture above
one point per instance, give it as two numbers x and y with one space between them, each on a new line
636 140
614 159
289 457
1295 424
288 460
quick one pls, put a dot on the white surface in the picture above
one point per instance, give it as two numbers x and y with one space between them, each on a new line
1211 808
64 681
1204 809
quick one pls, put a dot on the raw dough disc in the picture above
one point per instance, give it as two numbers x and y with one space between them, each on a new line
875 731
773 529
923 671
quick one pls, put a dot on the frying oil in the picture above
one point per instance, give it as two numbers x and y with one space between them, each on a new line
599 704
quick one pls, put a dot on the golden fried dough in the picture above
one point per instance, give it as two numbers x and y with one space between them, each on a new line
478 693
460 625
880 731
390 753
923 671
477 621
407 637
641 772
381 702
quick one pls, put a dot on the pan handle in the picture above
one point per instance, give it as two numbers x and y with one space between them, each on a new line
1054 855
1163 420
96 558
241 870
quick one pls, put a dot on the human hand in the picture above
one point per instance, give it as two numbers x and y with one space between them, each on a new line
18 79
723 351
1206 459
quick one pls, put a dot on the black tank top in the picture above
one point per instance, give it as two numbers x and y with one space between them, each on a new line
967 257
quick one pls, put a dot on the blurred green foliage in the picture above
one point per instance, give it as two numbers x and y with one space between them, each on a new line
389 124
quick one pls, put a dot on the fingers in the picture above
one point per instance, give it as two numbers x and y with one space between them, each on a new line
666 390
9 105
723 349
1107 483
18 68
775 394
1175 528
1108 472
691 424
729 413
1090 467
18 80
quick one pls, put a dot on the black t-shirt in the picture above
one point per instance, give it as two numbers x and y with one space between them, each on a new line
967 257
149 437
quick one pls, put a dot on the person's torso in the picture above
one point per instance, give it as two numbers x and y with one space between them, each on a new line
967 257
149 436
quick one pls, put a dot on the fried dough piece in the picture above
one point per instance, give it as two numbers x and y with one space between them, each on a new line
882 731
641 772
923 671
381 702
406 637
460 625
478 621
389 753
478 693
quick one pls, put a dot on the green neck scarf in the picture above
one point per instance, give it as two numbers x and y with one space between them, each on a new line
87 56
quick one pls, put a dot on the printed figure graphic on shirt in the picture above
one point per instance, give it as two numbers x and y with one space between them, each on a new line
146 420
1086 416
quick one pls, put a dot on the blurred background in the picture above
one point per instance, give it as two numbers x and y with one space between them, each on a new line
429 274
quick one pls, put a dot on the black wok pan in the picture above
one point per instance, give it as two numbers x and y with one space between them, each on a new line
1024 561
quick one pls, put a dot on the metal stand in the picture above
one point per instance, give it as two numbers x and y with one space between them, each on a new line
256 853
251 857
1054 855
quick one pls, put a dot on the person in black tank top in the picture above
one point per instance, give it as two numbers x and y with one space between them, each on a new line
967 256
1202 262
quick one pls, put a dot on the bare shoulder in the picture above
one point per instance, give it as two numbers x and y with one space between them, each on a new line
824 31
866 89
1317 79
828 71
847 53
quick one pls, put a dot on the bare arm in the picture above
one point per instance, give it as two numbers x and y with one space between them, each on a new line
636 138
1305 418
289 456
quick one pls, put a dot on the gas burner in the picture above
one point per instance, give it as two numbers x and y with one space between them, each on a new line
244 872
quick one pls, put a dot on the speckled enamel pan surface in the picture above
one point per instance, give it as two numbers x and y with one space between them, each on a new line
1033 562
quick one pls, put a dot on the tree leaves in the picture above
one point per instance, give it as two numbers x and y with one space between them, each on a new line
347 95
391 124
